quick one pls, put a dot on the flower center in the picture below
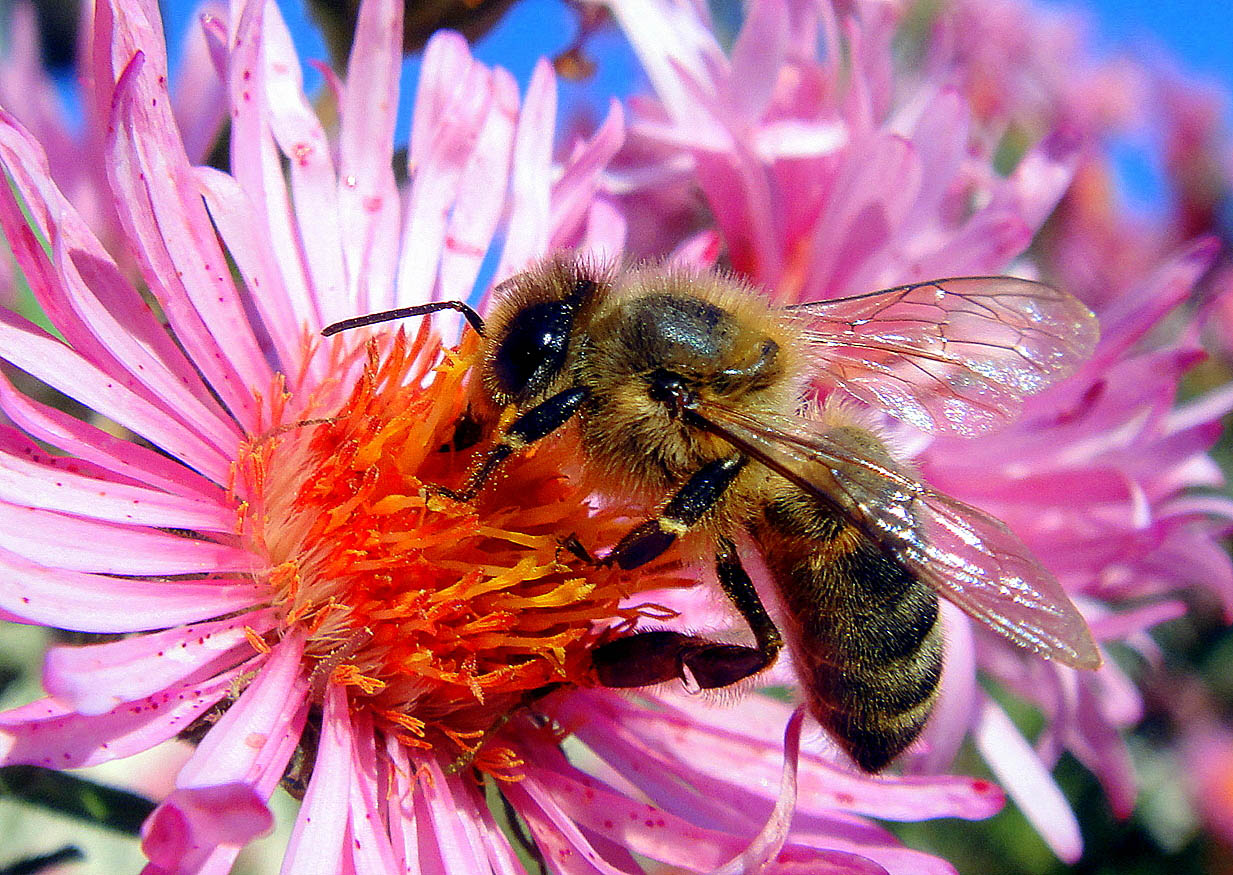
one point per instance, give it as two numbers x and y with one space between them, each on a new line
441 617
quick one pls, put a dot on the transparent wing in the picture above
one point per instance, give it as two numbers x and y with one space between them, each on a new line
950 356
965 554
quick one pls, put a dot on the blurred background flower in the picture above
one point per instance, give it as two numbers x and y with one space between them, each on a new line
823 150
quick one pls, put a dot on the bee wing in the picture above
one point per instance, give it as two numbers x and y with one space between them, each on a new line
950 356
968 556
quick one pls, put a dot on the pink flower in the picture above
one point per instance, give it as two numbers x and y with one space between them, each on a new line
292 598
826 181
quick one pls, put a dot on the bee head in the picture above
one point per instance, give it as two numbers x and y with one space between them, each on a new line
531 331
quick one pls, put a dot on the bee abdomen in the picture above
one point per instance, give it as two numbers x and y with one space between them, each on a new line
868 635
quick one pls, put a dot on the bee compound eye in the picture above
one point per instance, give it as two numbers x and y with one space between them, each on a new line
533 350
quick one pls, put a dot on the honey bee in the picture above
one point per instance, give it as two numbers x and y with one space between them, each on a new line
688 392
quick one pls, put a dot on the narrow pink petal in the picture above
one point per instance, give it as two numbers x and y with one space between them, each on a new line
984 245
98 678
237 220
672 43
1123 624
314 182
316 842
45 733
757 57
480 198
95 308
77 544
1134 314
40 355
566 847
448 808
1099 745
93 445
368 203
1028 782
855 219
175 243
606 233
444 71
34 481
252 741
1041 178
189 824
530 180
255 161
940 136
440 164
96 603
401 816
440 155
560 801
709 739
770 840
199 98
368 848
574 191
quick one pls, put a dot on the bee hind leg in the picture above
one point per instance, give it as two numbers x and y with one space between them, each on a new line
657 656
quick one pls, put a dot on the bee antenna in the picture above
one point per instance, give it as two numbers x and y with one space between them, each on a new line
473 319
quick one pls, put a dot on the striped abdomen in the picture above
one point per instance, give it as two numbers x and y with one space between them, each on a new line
866 633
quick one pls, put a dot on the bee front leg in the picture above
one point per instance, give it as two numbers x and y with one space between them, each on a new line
647 658
538 422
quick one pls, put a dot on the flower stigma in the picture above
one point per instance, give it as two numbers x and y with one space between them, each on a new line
442 618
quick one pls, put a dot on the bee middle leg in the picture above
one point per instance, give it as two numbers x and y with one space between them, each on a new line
683 512
654 657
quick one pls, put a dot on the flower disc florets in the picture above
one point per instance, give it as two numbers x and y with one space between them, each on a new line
441 617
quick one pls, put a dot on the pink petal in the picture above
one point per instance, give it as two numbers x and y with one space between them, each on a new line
97 447
1135 313
254 739
199 100
255 162
174 241
480 197
368 206
709 740
573 192
770 840
46 733
96 603
369 849
527 234
239 226
34 480
44 357
93 305
314 183
1041 178
757 58
98 678
448 810
59 541
185 829
856 220
1028 782
316 842
439 154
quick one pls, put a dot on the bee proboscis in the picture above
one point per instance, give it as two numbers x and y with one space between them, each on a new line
688 392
